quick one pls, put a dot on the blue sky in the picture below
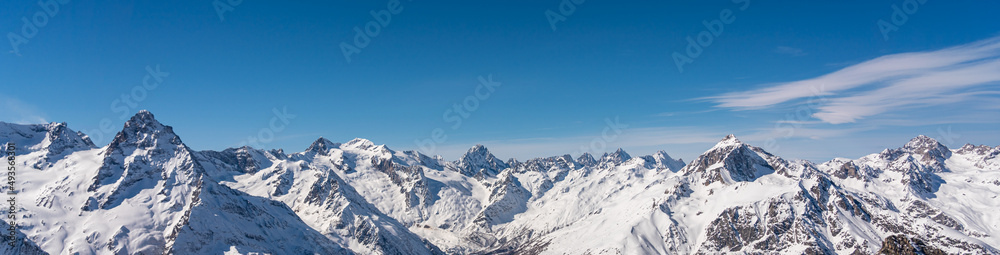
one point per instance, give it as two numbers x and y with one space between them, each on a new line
811 80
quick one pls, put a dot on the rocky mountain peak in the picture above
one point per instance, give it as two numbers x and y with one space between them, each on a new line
617 157
54 138
586 159
478 149
60 138
730 137
660 160
143 131
86 139
359 143
728 141
322 145
143 119
479 159
567 158
925 145
974 150
923 148
142 154
513 162
729 161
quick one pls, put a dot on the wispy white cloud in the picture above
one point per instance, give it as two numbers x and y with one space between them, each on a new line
798 122
802 132
887 83
932 88
17 111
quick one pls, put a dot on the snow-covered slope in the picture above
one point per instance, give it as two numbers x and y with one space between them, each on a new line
147 192
311 184
143 194
53 141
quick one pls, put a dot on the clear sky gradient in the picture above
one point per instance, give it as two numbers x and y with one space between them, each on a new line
804 79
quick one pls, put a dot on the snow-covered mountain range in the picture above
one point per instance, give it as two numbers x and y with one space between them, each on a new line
148 193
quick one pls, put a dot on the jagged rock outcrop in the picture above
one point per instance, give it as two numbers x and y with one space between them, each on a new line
54 140
613 159
728 162
19 244
479 161
902 245
586 159
507 198
661 161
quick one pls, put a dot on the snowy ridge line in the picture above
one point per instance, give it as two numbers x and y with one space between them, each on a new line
147 192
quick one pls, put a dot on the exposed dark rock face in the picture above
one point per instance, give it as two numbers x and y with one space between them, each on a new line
848 170
930 150
613 159
729 161
322 146
773 225
22 245
242 160
586 159
56 140
988 154
479 161
410 179
507 198
902 245
661 161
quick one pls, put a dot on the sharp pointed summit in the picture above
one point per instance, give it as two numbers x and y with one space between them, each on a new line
730 161
586 159
359 142
322 145
479 160
143 131
147 169
925 151
928 148
660 160
617 157
729 140
125 165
